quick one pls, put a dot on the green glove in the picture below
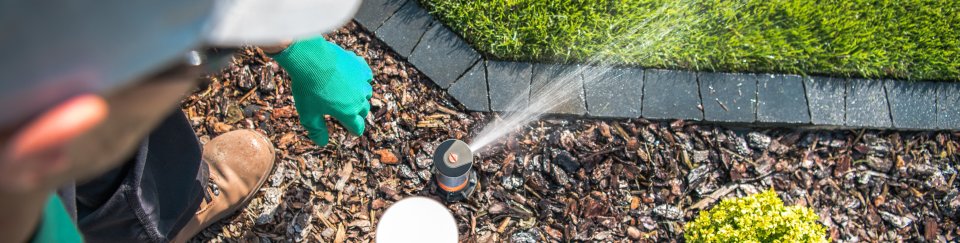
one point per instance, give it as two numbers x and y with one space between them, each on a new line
327 80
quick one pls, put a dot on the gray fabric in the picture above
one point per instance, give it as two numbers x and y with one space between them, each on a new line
55 49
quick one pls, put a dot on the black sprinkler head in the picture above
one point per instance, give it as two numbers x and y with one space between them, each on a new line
453 163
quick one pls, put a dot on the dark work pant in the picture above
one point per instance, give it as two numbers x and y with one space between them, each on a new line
150 197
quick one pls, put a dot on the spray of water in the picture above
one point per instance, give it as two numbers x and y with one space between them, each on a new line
566 86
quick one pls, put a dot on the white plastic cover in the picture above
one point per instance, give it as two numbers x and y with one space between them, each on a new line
264 22
417 219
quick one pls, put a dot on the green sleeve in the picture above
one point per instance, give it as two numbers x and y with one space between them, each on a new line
56 225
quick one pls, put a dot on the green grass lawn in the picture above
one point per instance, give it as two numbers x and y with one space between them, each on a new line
911 39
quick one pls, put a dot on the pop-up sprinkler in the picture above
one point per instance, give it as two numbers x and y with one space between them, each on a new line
453 162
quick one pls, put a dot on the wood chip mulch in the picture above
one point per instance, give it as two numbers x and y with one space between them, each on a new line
561 179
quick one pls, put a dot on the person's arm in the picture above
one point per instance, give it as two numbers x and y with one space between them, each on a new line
34 161
21 215
274 49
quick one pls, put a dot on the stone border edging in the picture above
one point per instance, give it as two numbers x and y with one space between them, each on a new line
738 98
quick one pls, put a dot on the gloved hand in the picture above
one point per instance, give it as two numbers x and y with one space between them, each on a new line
327 80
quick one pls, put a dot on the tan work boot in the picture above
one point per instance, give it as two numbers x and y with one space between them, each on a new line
239 163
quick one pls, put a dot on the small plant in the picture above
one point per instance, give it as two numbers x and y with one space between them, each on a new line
761 217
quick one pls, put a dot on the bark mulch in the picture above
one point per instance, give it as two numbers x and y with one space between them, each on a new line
562 179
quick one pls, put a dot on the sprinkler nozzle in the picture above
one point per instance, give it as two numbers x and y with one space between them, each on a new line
453 165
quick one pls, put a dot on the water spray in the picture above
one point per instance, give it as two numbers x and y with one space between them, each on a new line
453 165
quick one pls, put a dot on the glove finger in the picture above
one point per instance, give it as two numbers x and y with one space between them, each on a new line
368 93
364 111
365 72
316 129
354 124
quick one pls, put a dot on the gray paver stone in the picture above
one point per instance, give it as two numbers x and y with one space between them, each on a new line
471 88
781 99
913 105
867 104
671 94
613 92
826 96
559 85
442 55
948 106
729 97
509 84
404 29
372 13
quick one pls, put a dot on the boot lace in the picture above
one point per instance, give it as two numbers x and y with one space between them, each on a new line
212 188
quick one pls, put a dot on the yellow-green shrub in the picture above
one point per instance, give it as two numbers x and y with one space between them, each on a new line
760 217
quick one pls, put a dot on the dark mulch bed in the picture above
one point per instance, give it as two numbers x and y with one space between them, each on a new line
562 179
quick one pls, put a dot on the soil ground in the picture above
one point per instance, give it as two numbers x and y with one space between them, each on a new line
562 179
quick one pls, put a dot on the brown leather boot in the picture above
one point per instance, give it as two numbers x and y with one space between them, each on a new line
239 163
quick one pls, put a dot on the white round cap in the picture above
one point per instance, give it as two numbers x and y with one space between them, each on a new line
417 219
